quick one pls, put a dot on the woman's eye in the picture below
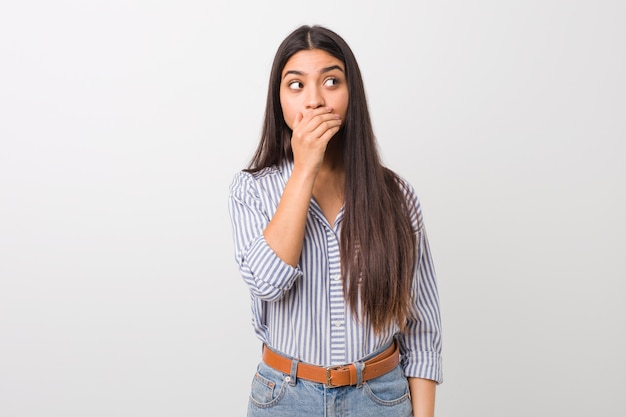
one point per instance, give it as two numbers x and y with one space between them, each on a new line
295 85
331 82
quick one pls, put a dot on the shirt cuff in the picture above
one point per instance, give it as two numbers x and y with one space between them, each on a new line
271 274
423 364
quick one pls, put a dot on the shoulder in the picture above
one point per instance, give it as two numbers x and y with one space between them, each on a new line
412 200
252 182
407 189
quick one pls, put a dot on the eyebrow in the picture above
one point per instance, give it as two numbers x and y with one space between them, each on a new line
322 71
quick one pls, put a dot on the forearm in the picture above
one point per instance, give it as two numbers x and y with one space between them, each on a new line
285 232
422 396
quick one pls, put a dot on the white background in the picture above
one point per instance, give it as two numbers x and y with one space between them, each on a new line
122 124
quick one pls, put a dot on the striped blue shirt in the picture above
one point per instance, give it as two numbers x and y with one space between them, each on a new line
301 311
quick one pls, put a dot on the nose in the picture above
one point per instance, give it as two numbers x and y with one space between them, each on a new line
314 98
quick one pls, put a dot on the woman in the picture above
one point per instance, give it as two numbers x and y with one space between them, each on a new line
332 246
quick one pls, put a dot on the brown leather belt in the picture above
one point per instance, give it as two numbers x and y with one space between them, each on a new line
336 376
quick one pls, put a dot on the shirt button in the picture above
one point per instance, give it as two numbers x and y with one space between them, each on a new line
335 277
337 324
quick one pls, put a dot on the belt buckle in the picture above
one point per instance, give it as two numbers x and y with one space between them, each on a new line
329 377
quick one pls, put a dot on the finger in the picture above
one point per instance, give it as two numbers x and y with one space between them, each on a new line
312 114
297 119
320 120
332 124
329 133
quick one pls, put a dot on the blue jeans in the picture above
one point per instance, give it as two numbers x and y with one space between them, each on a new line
275 394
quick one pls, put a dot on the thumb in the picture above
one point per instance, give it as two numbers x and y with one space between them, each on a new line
298 119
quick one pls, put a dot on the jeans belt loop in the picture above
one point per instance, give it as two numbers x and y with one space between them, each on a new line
294 372
359 373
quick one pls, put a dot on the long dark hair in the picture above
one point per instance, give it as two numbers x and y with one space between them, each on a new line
378 245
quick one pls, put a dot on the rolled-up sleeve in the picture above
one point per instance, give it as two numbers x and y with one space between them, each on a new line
421 342
267 276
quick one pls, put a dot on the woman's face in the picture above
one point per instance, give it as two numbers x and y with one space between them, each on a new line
312 79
